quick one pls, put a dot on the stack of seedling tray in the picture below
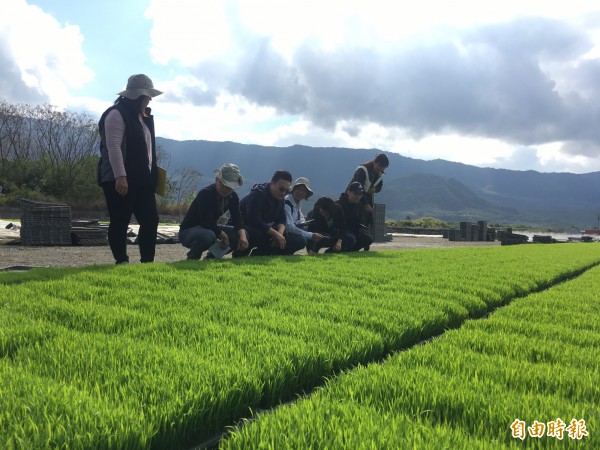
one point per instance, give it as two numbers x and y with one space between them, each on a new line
378 225
88 232
45 223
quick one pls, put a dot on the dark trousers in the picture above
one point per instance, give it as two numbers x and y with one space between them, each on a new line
363 240
261 243
198 239
348 241
141 202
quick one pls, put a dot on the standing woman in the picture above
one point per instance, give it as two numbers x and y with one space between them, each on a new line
370 175
127 168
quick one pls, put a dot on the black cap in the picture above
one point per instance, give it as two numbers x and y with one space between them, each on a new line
356 188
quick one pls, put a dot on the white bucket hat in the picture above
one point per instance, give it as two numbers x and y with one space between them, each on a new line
229 175
138 85
304 182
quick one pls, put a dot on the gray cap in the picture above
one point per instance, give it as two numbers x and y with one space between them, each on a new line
301 181
229 175
139 85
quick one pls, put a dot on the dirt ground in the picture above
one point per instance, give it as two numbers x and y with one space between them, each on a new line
21 257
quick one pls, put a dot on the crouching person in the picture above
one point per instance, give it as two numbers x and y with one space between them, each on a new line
200 228
356 230
295 221
264 218
328 220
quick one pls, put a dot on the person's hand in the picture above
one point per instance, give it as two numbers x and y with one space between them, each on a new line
224 240
242 243
368 208
278 240
371 190
338 246
316 237
121 186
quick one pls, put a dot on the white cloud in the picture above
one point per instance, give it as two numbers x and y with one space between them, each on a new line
231 118
47 56
513 83
189 31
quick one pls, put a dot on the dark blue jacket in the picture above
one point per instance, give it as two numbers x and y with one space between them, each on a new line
261 210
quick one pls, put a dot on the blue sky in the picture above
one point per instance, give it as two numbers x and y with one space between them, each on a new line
507 84
107 56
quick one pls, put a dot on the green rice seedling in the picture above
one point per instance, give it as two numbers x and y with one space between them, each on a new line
182 351
533 361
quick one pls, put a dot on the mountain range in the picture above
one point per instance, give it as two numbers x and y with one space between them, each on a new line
417 188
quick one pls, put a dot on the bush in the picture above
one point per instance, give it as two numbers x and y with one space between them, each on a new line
423 222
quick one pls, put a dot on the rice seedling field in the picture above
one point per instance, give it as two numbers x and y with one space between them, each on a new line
168 356
526 377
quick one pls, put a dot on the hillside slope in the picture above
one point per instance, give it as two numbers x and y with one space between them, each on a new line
457 191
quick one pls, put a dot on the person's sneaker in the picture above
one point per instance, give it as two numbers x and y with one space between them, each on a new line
209 255
259 252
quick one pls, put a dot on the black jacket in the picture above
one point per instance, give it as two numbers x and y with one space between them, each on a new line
353 214
134 149
361 177
335 227
208 206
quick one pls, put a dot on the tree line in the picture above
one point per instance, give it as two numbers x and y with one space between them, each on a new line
47 154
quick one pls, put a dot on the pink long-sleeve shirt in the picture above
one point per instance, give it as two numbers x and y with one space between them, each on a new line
114 127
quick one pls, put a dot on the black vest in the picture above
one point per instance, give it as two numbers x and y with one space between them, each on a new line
134 149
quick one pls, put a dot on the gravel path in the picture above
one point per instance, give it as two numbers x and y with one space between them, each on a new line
18 256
